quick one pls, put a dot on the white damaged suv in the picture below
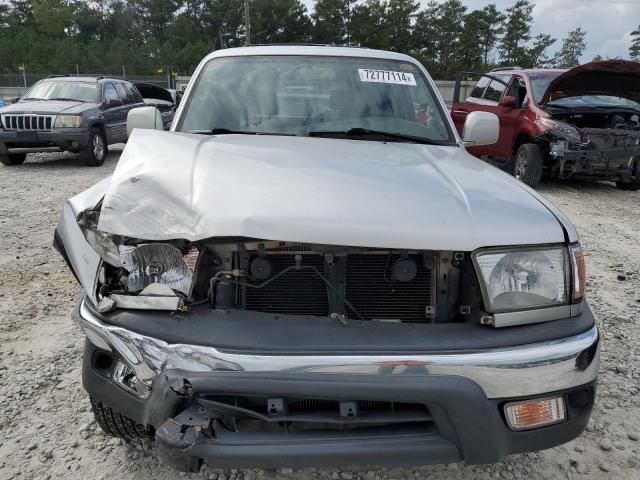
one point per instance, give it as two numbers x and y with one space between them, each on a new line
310 270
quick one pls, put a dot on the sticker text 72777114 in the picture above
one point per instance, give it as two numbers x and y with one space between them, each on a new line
386 76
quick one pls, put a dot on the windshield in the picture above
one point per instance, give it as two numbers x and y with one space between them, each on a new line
540 83
63 90
297 95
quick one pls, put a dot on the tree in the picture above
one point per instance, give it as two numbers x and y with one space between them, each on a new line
536 54
279 21
517 32
332 21
573 47
398 23
634 49
449 25
471 49
490 27
425 35
368 25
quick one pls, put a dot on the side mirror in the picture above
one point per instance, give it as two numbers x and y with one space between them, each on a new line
13 100
148 118
508 102
480 128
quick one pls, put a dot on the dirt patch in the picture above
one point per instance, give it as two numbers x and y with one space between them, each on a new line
46 426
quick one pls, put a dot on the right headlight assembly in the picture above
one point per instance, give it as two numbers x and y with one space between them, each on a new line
515 279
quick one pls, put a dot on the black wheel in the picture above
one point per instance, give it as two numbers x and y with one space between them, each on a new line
13 158
117 425
634 183
95 152
527 166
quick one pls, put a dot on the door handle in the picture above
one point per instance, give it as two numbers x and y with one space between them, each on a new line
461 112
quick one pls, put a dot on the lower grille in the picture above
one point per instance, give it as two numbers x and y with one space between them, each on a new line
28 123
365 280
288 414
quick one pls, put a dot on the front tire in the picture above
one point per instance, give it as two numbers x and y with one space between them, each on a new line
94 154
117 425
527 165
634 183
12 159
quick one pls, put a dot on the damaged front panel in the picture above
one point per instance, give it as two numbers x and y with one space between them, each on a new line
287 278
607 143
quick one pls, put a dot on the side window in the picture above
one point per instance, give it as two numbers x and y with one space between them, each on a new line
478 90
495 89
124 94
518 90
110 94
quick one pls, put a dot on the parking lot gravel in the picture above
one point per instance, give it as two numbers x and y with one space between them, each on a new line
47 429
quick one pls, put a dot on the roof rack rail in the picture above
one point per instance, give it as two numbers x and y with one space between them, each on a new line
302 44
97 76
501 69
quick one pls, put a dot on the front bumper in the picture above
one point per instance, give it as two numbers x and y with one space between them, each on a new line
607 164
178 385
58 139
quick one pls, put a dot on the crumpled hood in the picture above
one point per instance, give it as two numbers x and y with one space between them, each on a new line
618 78
331 191
49 107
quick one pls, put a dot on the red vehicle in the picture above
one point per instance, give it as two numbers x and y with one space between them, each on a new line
578 123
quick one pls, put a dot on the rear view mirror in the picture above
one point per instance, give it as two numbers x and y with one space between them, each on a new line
508 102
148 118
480 128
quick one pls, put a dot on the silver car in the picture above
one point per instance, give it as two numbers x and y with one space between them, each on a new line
310 270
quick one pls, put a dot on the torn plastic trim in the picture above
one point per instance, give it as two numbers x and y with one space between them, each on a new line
156 296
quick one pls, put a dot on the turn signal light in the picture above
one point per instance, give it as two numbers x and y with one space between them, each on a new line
579 272
535 413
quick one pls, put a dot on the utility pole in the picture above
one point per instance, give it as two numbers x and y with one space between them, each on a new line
221 39
247 23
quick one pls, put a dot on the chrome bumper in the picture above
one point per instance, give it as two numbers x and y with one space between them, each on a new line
502 373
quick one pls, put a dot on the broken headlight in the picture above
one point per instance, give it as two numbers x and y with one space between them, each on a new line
519 279
561 129
158 263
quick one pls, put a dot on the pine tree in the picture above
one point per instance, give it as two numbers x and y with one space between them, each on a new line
517 32
573 46
634 49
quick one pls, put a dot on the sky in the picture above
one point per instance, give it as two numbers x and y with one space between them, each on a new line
608 22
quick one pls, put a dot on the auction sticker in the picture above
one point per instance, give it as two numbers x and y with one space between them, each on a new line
386 76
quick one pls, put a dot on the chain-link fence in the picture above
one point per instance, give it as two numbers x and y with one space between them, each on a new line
26 79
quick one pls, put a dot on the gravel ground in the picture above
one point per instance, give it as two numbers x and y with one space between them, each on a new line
46 426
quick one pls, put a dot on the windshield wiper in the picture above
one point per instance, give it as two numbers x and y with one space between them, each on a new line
386 136
227 131
64 99
35 99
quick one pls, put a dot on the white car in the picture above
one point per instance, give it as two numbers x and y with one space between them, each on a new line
309 269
